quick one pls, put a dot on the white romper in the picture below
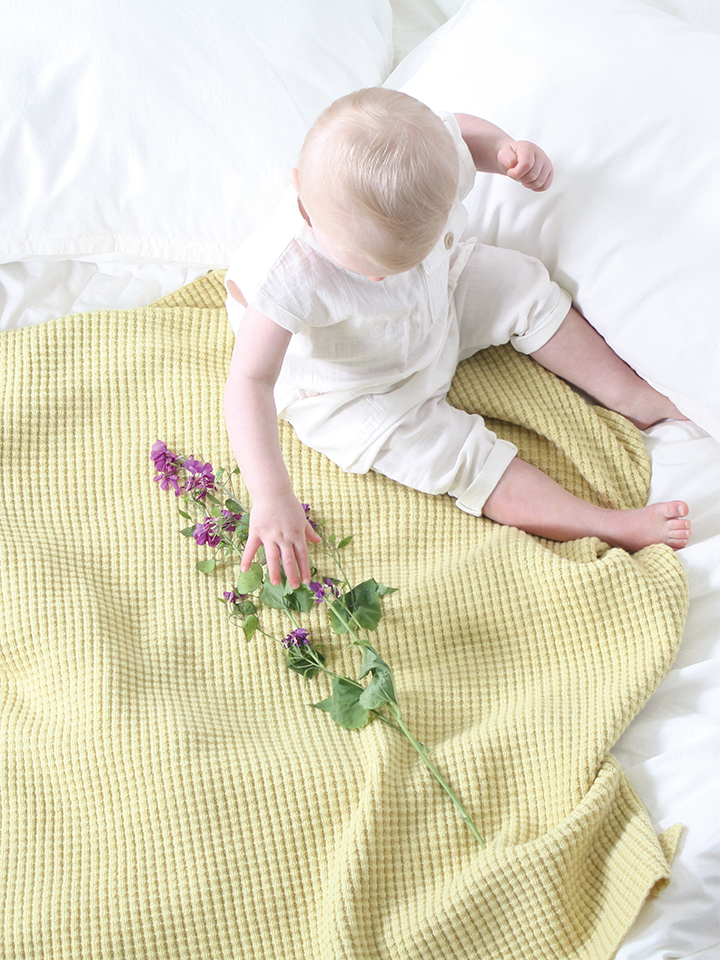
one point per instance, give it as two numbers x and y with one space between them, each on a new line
366 373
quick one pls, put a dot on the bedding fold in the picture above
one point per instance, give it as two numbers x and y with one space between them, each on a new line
167 792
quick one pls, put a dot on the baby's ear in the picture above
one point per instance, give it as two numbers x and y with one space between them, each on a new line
295 180
236 293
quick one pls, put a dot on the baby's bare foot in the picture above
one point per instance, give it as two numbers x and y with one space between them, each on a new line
656 523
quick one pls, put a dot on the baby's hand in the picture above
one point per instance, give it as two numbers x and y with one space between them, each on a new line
527 163
283 529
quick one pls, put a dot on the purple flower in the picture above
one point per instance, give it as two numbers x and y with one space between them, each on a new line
201 478
166 465
297 638
206 533
231 520
163 458
331 587
232 596
306 508
319 590
168 480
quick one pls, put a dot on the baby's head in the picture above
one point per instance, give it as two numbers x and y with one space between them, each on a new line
377 176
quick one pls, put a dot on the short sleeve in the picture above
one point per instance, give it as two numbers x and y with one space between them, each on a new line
467 171
262 253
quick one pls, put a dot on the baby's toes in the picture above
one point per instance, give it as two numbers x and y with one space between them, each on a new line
680 526
676 509
678 533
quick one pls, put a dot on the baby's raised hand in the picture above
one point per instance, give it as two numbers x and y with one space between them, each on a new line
527 163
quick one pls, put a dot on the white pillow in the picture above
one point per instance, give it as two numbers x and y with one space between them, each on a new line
166 130
625 98
413 20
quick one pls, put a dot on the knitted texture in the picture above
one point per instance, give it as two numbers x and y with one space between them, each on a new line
166 790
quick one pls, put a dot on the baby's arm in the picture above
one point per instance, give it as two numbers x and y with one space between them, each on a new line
277 518
493 151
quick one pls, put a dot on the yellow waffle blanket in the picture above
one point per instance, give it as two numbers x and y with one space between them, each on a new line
166 789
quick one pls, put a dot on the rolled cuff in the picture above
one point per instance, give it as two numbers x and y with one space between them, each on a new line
539 335
501 456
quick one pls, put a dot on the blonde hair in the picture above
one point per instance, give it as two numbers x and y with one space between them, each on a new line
389 162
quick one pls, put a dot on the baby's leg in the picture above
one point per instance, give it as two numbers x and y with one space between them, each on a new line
439 449
578 353
527 498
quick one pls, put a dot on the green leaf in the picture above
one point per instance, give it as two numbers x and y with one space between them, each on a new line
359 607
378 692
301 599
384 591
343 705
344 542
381 688
185 516
206 566
364 603
273 596
188 531
287 589
250 625
371 660
304 660
233 506
339 617
250 580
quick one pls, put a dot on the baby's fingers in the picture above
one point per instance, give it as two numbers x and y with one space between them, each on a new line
274 564
302 557
311 533
292 558
527 164
300 564
252 546
531 173
284 539
508 159
273 557
296 558
537 180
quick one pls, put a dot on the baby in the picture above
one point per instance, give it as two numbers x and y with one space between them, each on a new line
362 295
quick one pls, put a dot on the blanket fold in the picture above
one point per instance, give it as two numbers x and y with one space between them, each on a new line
166 790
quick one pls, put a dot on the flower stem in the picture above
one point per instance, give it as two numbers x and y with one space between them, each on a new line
394 709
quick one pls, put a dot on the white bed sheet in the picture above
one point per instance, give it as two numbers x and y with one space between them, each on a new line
671 751
34 291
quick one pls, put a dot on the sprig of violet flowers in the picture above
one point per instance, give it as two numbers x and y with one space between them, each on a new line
220 521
